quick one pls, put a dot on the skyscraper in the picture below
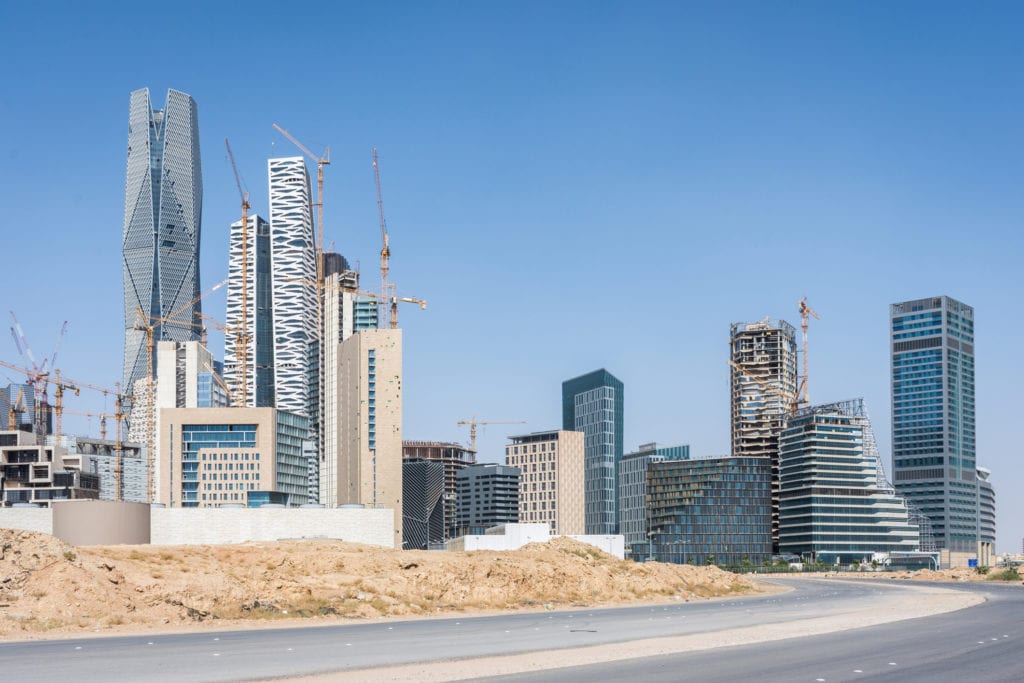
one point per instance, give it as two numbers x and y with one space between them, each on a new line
163 206
293 268
592 404
933 433
259 362
763 384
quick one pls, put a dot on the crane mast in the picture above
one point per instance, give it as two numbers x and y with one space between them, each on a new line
242 336
806 312
385 250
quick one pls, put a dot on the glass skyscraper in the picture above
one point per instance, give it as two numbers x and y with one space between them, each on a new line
163 206
933 419
592 404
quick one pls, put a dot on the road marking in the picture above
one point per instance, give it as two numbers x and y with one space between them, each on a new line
820 680
149 643
857 671
892 663
79 647
216 654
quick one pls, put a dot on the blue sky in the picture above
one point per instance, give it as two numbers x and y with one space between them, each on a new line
569 185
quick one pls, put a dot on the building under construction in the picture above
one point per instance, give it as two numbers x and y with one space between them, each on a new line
763 390
455 457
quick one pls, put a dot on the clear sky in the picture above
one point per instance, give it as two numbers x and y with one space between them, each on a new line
570 185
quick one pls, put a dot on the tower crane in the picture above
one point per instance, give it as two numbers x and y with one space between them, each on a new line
385 250
38 379
474 422
12 419
805 313
88 413
60 388
242 337
147 324
388 318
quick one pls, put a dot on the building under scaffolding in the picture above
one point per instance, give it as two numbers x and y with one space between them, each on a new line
455 458
763 386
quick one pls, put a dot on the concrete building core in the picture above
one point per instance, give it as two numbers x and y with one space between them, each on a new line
762 393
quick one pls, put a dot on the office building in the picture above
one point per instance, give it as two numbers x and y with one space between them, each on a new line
763 389
256 288
423 510
293 290
710 511
551 479
454 457
488 495
369 467
38 474
633 489
231 456
593 404
163 207
933 419
835 503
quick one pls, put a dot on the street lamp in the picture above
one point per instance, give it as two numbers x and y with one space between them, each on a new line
650 546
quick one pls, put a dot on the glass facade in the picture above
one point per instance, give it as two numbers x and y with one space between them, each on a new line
933 418
835 504
162 216
259 322
633 489
593 404
710 511
218 464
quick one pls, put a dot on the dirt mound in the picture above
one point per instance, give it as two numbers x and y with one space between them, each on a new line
47 586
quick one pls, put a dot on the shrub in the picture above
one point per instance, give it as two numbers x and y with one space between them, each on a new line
981 569
1008 574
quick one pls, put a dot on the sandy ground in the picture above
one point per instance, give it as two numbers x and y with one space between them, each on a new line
49 589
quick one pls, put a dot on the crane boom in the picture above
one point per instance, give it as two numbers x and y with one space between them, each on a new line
474 422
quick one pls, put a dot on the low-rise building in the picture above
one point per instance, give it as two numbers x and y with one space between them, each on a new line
38 474
232 456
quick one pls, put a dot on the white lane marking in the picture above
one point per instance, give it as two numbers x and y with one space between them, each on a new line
78 647
857 671
981 642
216 654
291 649
149 643
348 644
892 663
216 638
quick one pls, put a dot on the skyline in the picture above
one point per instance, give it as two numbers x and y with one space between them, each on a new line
570 188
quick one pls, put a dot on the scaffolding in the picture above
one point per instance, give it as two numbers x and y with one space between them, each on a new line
763 380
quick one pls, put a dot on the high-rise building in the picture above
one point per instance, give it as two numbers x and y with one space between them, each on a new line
593 404
710 510
454 457
762 393
293 269
232 456
633 489
369 467
163 206
340 320
551 480
423 522
835 503
933 419
488 495
259 322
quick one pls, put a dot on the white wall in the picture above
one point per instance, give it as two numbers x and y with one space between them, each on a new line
27 519
212 526
518 535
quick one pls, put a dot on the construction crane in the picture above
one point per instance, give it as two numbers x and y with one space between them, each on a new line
474 422
805 313
88 413
791 400
385 250
38 379
60 388
145 323
242 333
12 419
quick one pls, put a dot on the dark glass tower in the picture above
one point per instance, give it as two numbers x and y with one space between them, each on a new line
592 404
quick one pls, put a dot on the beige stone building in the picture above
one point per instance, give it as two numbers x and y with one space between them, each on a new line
551 479
231 456
369 468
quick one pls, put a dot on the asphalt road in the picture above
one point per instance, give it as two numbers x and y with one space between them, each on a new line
984 642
